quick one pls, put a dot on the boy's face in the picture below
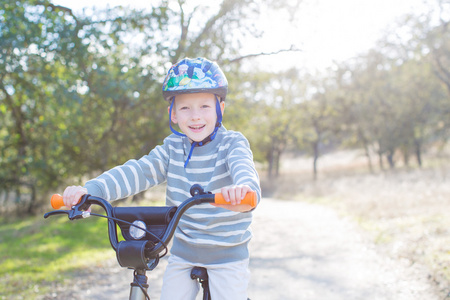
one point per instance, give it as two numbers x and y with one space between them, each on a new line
196 114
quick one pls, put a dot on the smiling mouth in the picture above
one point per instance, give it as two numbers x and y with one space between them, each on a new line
197 127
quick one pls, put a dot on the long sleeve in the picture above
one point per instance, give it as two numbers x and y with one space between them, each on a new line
241 165
132 177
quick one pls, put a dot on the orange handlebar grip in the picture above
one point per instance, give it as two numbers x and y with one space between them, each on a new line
250 199
57 201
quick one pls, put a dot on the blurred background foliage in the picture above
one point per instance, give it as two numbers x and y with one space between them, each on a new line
81 93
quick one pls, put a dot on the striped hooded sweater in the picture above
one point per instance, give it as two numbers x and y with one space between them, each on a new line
206 234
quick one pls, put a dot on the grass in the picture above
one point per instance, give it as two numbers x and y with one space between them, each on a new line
38 253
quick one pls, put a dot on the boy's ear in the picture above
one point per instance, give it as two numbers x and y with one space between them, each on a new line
173 117
222 106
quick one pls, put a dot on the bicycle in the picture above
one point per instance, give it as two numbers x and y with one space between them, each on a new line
146 232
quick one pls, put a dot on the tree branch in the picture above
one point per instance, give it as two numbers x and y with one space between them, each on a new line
441 71
291 49
59 7
224 10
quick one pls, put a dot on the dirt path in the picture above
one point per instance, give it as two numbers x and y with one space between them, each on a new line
300 252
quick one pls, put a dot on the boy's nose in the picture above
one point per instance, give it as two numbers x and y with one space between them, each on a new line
195 114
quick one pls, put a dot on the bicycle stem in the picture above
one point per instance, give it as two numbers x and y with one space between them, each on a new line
195 200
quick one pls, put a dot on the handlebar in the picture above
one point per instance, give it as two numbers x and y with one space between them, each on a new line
138 253
249 199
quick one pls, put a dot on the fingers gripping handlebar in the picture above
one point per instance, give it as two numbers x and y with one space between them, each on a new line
138 253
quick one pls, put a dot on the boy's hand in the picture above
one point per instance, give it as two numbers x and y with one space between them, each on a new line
234 195
73 194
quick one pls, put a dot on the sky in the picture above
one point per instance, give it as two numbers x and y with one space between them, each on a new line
324 31
337 30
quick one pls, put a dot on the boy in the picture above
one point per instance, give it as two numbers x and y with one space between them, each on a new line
212 236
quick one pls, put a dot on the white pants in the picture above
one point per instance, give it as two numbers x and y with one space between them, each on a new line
226 281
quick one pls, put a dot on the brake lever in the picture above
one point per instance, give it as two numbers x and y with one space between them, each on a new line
77 212
56 212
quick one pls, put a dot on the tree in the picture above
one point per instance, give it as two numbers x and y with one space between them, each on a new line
436 38
318 118
36 43
81 93
272 128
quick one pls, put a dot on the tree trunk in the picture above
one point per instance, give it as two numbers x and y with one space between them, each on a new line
271 161
367 154
32 205
316 158
277 163
380 160
418 149
390 158
380 157
366 149
406 156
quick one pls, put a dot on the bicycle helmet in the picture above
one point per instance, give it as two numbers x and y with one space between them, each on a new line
195 75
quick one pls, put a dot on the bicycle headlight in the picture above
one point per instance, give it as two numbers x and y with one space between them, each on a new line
135 232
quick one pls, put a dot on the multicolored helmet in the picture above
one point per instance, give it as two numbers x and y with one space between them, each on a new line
195 75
